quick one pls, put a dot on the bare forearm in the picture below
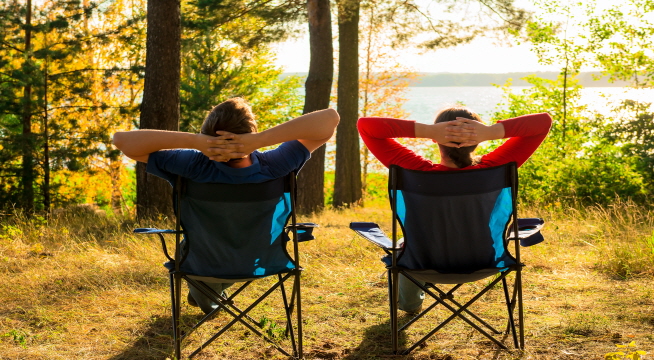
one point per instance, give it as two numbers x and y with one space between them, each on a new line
493 132
312 130
143 142
315 126
430 131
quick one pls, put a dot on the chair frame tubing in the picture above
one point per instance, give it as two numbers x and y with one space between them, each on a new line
458 310
227 303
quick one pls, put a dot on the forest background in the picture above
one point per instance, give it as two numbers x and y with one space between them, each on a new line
73 73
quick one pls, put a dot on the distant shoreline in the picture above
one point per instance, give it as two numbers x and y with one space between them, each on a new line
586 79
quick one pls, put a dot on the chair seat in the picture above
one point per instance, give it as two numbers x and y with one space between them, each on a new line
170 266
435 277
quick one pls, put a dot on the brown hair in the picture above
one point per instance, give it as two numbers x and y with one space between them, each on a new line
462 156
233 115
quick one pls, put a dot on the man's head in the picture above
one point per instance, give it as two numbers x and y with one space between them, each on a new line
233 115
462 156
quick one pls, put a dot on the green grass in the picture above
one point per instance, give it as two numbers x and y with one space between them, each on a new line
79 285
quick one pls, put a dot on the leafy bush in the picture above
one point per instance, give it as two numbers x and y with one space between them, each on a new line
578 163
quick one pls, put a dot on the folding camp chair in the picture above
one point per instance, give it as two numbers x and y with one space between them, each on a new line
236 233
457 227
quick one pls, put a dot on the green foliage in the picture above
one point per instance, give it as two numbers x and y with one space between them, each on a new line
329 188
589 158
577 164
128 190
257 22
271 329
223 57
63 89
213 74
632 126
18 336
585 324
621 39
551 35
85 71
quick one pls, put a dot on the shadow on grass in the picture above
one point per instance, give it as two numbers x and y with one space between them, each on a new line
156 339
376 343
155 342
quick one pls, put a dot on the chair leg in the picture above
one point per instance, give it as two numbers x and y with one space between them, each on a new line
518 279
393 298
175 295
299 314
510 312
291 306
289 324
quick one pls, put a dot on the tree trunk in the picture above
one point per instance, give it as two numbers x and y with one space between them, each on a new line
160 106
46 142
347 184
565 98
27 178
115 170
311 180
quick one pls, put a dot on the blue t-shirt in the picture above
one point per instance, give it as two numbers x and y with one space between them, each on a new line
192 164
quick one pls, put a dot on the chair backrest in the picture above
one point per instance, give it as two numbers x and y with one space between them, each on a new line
454 221
236 231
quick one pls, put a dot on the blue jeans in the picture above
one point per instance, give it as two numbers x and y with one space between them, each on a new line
410 296
204 302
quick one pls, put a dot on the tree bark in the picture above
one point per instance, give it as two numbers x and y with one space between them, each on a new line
311 180
347 183
160 105
46 141
27 178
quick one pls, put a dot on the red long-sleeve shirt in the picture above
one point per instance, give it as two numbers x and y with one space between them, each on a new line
526 133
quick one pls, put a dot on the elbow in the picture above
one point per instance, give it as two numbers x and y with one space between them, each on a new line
548 121
119 140
334 117
362 124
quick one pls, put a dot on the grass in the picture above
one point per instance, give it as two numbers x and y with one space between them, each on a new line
79 285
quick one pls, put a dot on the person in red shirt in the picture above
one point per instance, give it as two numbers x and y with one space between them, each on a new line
457 130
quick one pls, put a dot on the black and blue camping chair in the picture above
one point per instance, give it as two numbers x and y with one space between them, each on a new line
236 233
458 227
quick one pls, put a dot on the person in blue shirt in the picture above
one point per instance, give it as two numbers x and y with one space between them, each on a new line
225 151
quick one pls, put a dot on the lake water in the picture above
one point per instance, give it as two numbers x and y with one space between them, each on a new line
424 102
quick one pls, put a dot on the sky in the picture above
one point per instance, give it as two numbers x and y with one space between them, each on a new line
480 56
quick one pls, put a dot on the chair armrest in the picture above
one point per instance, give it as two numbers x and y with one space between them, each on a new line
155 231
304 225
529 231
371 232
304 231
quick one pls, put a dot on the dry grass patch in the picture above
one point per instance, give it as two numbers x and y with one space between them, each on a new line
81 286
